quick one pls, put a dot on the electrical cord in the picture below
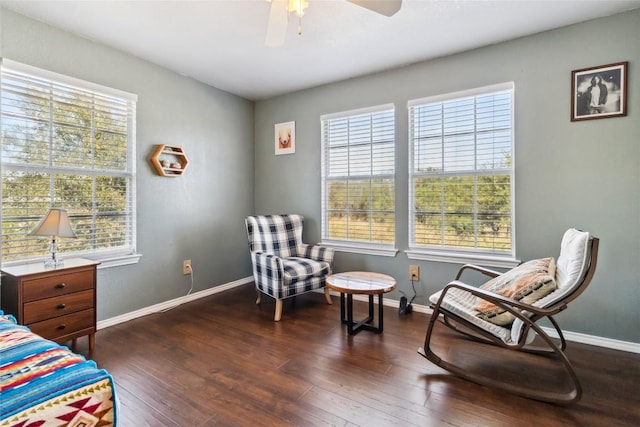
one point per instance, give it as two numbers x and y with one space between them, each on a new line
413 285
188 293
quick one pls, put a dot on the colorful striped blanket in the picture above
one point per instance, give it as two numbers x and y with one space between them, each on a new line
44 384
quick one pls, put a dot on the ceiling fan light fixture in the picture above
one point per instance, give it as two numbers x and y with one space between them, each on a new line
298 7
281 9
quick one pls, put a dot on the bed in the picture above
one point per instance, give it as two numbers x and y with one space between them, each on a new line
44 384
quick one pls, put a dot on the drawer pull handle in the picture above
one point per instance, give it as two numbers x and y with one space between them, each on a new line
61 327
61 285
61 306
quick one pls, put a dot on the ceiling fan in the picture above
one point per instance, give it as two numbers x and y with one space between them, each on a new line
280 10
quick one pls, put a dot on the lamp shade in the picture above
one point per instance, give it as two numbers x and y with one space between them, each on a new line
55 223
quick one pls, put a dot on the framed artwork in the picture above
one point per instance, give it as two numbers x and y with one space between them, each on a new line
599 92
285 138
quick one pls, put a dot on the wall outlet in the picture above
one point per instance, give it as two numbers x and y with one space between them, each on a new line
414 272
186 266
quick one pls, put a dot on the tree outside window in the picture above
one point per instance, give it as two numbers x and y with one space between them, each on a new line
65 145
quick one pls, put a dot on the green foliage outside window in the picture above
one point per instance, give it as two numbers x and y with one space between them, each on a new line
67 148
368 216
445 213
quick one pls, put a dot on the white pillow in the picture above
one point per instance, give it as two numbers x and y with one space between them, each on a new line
571 266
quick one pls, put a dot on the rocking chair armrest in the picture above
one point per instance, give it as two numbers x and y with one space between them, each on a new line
513 306
483 270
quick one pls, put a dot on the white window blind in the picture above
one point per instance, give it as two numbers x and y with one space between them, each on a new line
358 176
68 144
461 172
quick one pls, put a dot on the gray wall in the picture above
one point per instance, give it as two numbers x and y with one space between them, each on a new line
198 216
582 174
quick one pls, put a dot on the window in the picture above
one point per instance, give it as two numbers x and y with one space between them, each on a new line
461 174
358 183
69 144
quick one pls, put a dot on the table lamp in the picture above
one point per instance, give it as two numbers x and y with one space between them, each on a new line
54 224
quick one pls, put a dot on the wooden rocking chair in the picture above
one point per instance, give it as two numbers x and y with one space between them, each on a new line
456 306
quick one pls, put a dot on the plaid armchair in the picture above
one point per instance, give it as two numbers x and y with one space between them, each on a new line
283 266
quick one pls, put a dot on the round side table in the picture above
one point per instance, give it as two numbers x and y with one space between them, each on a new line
361 283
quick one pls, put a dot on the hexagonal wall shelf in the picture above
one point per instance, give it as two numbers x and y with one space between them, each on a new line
169 160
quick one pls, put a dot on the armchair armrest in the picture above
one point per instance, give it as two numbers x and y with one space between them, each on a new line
483 270
316 252
267 266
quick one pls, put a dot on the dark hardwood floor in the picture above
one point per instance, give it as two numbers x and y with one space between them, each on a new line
222 360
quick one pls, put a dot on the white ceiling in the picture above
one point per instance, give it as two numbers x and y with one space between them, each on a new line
221 42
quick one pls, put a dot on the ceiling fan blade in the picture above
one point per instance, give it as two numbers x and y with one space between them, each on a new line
277 26
383 7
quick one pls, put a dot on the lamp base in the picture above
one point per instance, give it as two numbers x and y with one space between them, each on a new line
53 263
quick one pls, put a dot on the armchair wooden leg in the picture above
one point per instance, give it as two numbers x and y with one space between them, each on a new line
327 296
258 296
278 310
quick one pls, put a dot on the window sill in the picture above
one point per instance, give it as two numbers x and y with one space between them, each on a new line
105 260
361 248
463 258
115 260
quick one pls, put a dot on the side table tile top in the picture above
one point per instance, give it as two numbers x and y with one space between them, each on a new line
363 282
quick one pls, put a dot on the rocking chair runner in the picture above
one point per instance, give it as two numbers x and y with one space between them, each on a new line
456 307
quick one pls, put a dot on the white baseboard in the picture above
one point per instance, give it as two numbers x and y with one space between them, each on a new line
171 303
628 346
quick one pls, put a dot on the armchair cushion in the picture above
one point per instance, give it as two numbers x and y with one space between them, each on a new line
299 269
528 283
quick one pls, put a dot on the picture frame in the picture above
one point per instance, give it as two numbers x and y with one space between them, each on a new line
608 83
285 138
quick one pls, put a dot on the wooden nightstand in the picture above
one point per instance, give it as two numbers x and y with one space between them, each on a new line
58 304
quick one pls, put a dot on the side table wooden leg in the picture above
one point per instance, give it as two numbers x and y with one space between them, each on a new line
92 342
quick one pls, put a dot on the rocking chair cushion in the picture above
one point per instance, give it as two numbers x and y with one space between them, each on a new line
528 283
462 304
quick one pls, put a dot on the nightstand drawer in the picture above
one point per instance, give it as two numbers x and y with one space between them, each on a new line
52 329
57 306
59 284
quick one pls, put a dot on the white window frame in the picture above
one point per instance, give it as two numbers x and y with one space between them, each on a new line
360 247
454 255
122 255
